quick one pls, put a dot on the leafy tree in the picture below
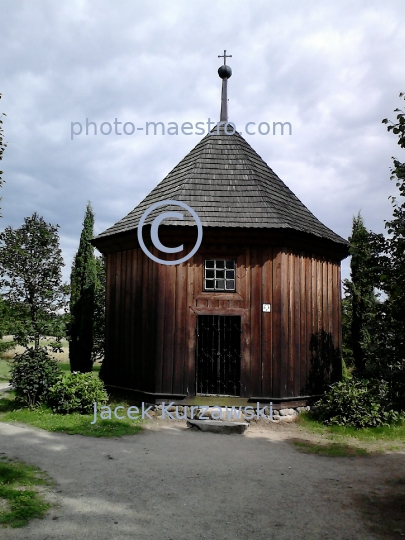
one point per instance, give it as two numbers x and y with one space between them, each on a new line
393 279
31 280
82 300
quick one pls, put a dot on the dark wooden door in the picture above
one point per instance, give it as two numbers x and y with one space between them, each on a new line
218 355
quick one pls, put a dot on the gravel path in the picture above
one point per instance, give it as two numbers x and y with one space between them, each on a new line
170 482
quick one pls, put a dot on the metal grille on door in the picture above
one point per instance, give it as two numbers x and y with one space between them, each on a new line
218 354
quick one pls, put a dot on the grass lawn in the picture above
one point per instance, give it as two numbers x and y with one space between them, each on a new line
19 497
72 424
4 371
377 439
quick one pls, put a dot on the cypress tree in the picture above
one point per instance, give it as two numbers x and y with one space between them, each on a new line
82 282
361 291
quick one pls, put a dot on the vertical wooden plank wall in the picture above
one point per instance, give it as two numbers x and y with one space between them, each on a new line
150 323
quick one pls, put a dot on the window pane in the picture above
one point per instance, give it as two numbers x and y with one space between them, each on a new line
209 264
230 285
230 274
209 274
230 264
220 264
220 274
220 284
209 284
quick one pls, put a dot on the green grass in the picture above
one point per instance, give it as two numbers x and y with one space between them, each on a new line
4 371
72 424
20 499
383 433
329 449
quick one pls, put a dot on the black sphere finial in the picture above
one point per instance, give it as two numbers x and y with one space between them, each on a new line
225 72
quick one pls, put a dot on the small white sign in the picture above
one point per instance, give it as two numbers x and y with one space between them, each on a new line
266 308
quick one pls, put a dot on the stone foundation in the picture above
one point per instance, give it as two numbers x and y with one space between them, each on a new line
229 414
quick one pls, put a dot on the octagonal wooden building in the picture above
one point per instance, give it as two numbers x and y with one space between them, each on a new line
254 315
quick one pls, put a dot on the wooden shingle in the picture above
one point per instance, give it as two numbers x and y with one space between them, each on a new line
229 185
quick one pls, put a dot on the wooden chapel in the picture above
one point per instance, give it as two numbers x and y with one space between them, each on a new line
253 315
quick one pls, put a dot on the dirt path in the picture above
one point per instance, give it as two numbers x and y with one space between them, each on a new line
173 483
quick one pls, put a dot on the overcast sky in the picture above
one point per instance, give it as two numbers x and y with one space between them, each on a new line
333 70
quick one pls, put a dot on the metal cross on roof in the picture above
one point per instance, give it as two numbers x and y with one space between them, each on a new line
224 56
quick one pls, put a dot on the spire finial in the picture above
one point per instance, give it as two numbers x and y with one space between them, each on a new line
225 73
224 56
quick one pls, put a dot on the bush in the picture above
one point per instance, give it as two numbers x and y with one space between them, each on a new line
76 392
358 403
33 373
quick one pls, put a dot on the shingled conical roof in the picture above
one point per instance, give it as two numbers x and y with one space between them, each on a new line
229 185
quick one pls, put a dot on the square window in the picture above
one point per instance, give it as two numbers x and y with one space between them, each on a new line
219 275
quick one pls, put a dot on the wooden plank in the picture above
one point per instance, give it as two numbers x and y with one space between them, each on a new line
169 315
191 328
325 321
339 310
127 330
138 318
304 293
267 298
160 331
246 330
276 322
291 308
216 311
117 321
180 329
319 296
314 279
256 323
297 324
284 323
134 369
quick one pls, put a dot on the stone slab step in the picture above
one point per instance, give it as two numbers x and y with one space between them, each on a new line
217 426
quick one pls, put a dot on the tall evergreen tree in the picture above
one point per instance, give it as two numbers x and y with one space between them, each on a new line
82 282
361 291
99 309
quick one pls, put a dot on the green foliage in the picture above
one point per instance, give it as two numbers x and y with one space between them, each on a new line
22 504
30 280
357 403
77 392
33 373
83 287
99 310
360 292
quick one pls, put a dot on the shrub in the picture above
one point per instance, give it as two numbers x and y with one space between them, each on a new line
76 392
33 373
358 403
